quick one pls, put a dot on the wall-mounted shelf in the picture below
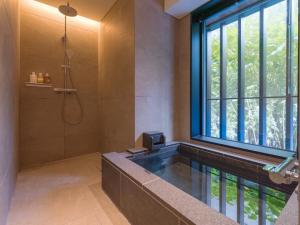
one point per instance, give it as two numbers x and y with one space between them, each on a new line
28 84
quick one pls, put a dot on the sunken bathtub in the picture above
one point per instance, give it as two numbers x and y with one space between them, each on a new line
182 184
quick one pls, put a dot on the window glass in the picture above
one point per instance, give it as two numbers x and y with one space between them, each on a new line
295 122
275 20
215 118
231 55
276 117
251 88
232 119
295 48
214 62
251 54
252 121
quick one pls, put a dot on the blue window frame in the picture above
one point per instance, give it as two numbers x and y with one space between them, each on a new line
244 75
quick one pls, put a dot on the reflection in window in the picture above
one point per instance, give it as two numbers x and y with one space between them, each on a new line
215 189
231 197
252 198
251 203
277 199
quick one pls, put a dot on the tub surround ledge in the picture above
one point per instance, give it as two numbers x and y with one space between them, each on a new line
132 170
174 205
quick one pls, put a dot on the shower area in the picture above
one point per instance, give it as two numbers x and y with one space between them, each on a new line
59 120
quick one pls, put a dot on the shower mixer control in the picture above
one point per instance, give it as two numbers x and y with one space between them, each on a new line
65 90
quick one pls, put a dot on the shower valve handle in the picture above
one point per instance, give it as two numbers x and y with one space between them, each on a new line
65 90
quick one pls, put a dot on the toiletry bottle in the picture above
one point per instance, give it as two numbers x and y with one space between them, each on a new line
33 78
40 78
47 78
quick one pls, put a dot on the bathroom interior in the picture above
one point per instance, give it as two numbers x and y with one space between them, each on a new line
149 112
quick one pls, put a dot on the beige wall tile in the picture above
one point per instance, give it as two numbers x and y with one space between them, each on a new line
9 80
137 71
41 109
40 150
182 81
79 144
154 69
40 118
90 115
116 79
117 119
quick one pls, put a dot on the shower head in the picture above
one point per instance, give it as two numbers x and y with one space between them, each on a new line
67 10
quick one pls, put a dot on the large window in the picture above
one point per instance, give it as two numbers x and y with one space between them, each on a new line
247 77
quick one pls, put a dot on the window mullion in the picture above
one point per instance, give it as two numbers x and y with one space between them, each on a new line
195 79
262 82
223 84
289 65
208 86
241 82
203 82
298 93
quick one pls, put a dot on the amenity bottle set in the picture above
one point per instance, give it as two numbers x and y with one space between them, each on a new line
39 78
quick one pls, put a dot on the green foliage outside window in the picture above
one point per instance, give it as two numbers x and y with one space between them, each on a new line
275 23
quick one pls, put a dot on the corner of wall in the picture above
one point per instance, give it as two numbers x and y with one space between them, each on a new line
117 78
182 85
155 69
9 101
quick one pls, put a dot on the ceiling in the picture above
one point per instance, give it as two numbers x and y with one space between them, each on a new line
180 8
92 9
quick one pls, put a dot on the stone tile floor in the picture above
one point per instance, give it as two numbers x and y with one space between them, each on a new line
67 192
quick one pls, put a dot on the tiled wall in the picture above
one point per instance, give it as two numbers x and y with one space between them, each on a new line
116 80
9 70
155 66
44 135
137 73
182 80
